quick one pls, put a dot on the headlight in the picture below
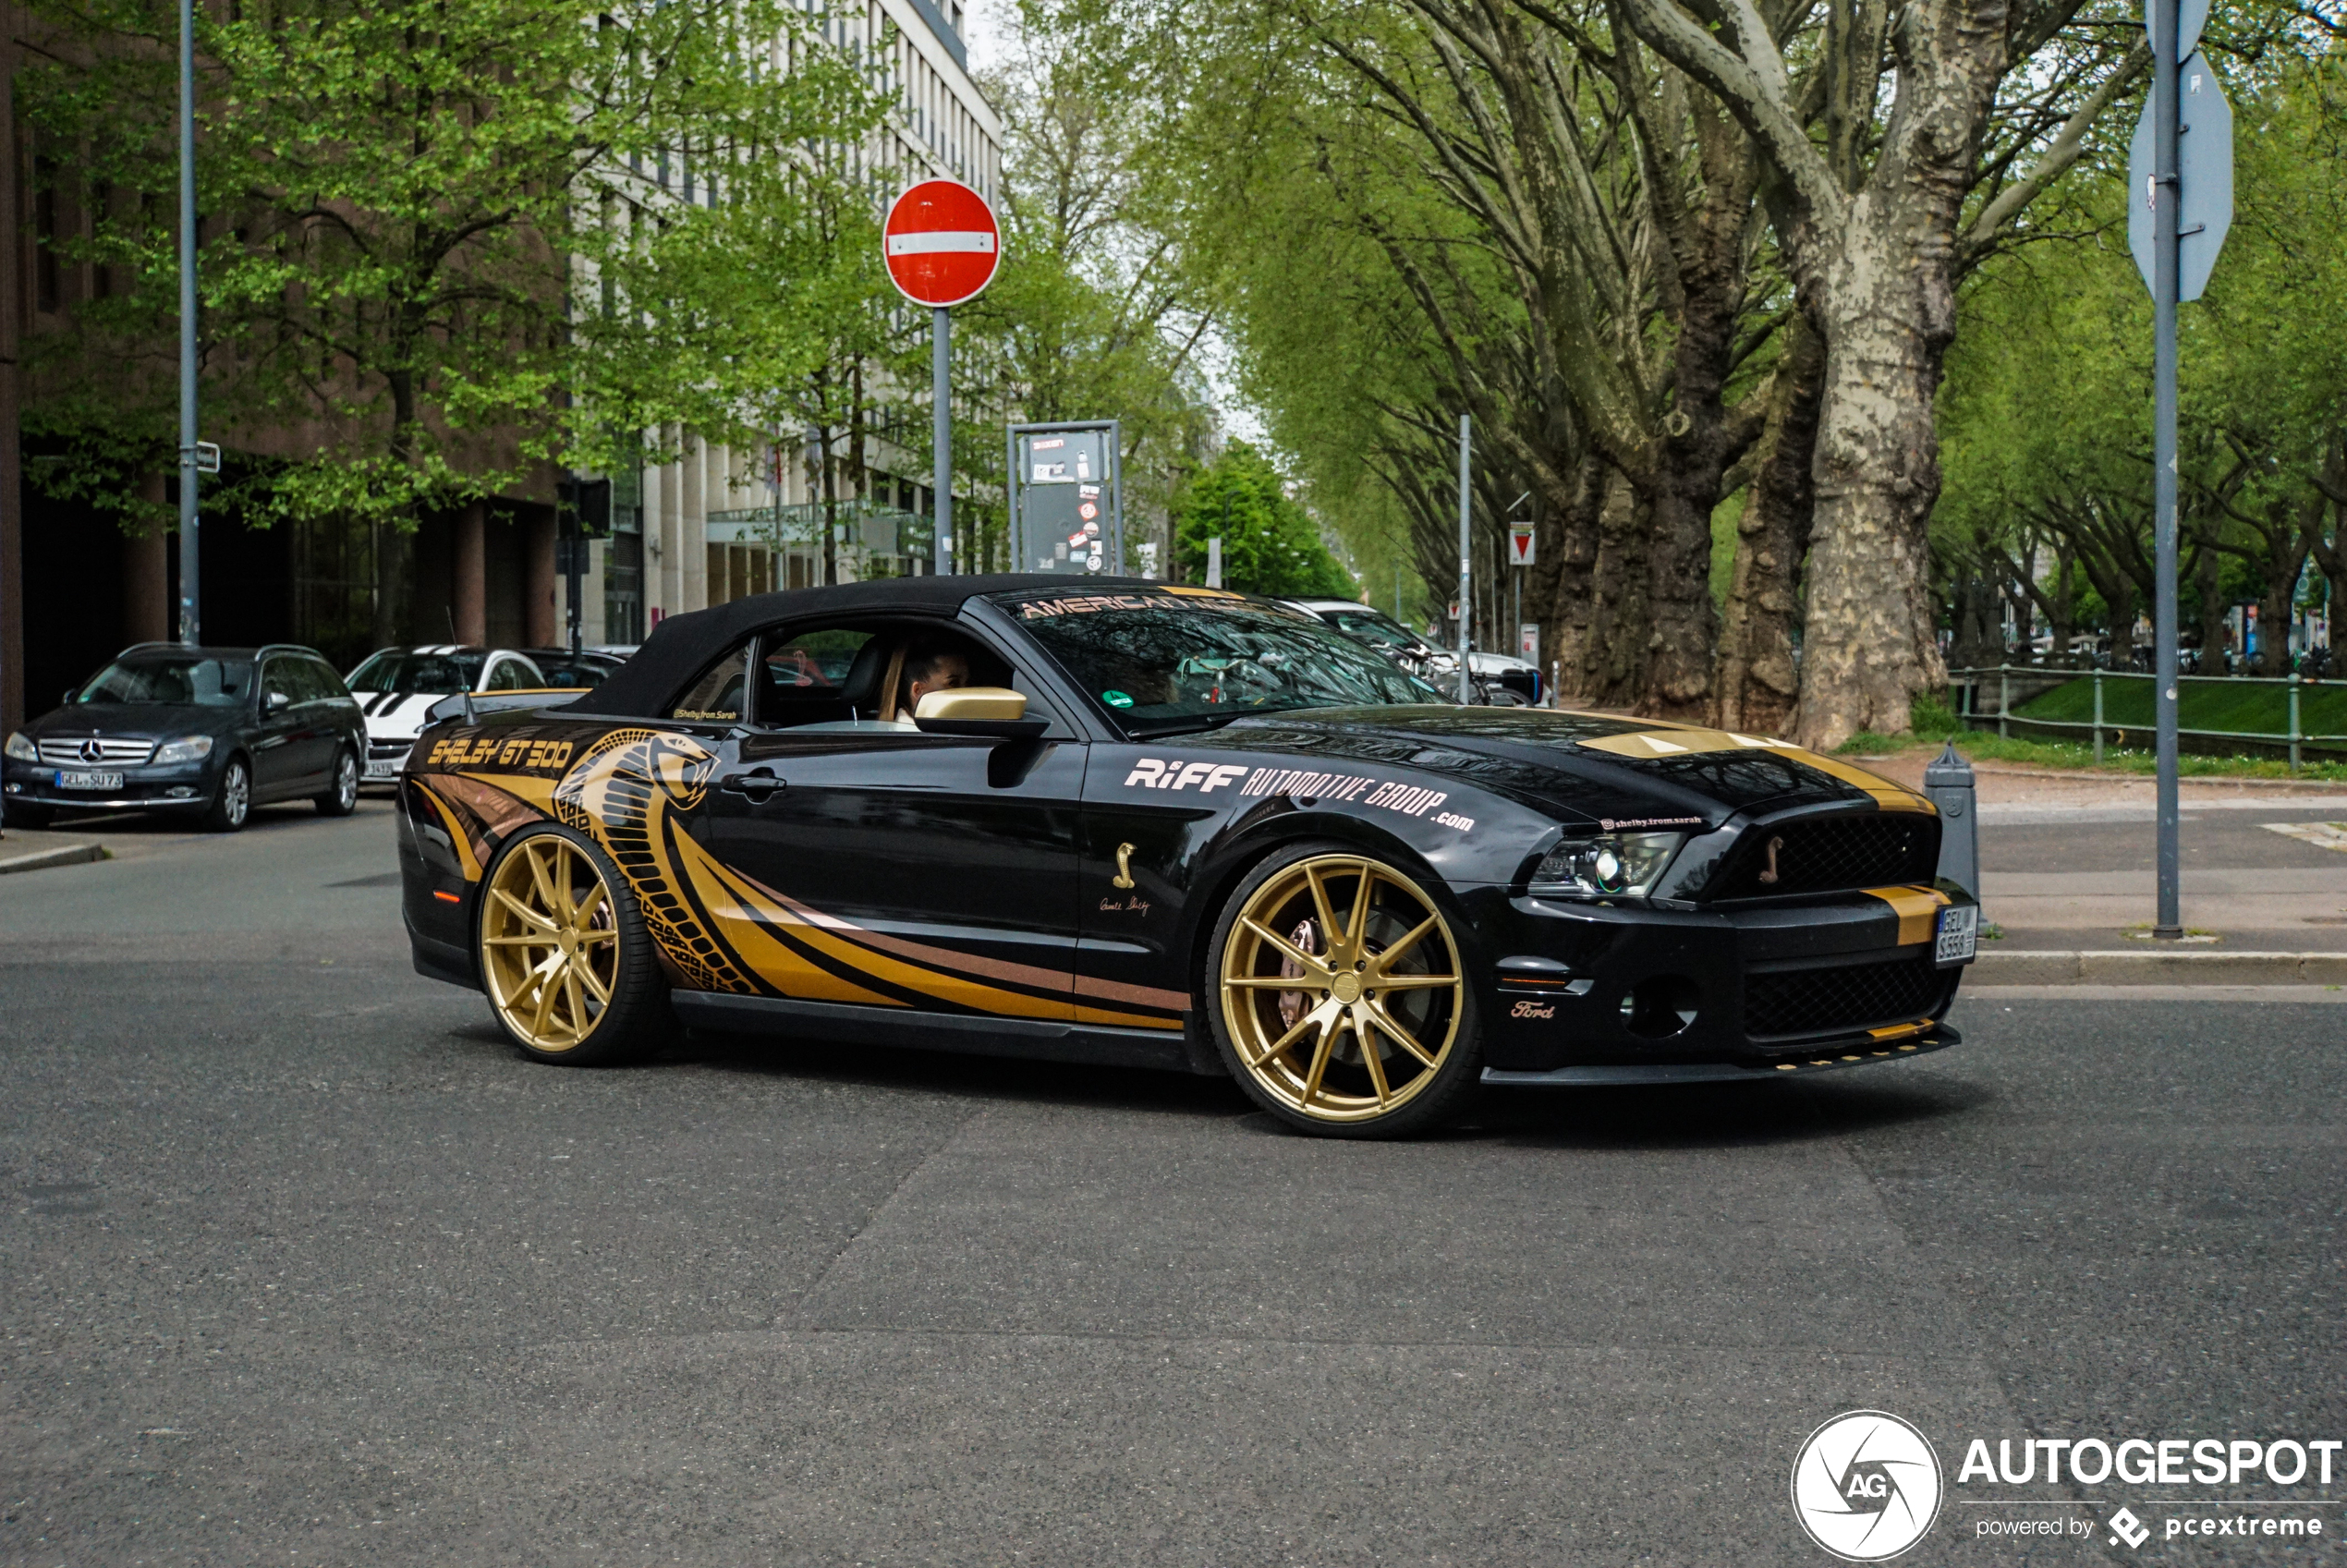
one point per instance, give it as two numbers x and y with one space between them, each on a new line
193 749
1607 865
22 749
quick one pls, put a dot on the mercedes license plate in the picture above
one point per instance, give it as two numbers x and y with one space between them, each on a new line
388 767
1959 933
88 781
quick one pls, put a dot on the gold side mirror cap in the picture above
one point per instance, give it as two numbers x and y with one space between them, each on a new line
973 702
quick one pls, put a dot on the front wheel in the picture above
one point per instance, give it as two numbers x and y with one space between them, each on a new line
342 793
1342 1002
564 957
231 798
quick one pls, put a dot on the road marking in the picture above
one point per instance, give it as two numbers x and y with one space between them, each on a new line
2329 835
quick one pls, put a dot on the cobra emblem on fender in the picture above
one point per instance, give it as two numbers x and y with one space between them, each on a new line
618 794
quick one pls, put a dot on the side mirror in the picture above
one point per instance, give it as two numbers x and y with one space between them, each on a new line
66 700
276 702
993 711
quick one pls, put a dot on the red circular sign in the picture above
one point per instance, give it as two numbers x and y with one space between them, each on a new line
941 243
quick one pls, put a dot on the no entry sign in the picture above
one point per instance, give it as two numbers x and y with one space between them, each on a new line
941 243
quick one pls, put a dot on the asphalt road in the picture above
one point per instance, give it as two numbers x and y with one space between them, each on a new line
300 1264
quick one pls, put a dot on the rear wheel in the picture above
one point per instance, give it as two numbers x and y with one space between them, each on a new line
565 957
1341 1004
231 798
342 789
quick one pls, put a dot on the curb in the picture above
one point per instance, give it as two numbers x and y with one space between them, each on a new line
64 855
2107 968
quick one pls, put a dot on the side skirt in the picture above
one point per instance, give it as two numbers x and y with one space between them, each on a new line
1090 1044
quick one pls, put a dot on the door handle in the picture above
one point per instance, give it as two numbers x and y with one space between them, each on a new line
758 784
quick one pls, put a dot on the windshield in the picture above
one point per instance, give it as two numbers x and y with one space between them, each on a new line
396 671
181 680
1180 660
1373 628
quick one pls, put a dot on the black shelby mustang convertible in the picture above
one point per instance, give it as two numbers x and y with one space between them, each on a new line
1123 821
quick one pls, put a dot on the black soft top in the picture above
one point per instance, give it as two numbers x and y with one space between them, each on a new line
682 646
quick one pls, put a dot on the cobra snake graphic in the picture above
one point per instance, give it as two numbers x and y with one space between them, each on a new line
618 794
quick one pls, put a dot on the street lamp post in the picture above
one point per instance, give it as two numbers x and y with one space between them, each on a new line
190 625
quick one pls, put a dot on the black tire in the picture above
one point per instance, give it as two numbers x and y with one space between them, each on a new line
1449 1087
635 1018
231 798
31 818
342 788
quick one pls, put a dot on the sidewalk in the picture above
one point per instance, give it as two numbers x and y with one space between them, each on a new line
24 850
2069 879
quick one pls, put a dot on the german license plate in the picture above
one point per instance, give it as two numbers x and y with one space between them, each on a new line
1959 933
387 768
88 781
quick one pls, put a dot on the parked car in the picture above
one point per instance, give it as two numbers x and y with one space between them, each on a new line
396 686
1498 678
1119 822
210 731
583 671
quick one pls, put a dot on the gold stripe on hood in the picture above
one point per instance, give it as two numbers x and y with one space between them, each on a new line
1671 740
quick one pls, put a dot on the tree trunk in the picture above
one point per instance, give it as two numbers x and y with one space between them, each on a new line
1614 660
1867 646
2212 612
1570 540
1759 682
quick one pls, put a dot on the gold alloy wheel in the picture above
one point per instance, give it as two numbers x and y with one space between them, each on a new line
1341 987
549 944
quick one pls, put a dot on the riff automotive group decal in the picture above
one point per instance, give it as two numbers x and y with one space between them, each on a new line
1309 788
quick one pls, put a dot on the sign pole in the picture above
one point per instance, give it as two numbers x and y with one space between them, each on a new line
191 626
2166 206
941 358
1467 563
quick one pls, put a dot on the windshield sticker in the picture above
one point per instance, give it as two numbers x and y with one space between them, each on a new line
1150 774
1116 698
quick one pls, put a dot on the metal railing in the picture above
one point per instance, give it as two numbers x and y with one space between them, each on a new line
1966 684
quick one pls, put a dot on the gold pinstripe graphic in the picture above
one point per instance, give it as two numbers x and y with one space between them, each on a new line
1917 908
1677 740
749 930
621 794
465 855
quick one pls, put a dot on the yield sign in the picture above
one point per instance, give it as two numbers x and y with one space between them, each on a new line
941 243
1519 545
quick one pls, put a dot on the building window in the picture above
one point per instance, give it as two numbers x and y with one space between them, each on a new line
45 276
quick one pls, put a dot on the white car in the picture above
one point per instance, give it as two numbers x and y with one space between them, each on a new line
1413 652
396 686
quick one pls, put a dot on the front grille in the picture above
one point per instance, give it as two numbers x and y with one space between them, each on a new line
1826 854
378 749
1852 996
117 753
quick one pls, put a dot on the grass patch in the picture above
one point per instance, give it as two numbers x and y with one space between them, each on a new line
1935 724
2200 705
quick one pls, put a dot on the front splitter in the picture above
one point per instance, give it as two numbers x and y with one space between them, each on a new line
1826 1058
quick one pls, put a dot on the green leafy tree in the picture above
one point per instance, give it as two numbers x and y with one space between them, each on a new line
1268 543
448 245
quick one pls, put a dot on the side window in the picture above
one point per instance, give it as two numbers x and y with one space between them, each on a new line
716 697
803 675
507 676
324 685
281 678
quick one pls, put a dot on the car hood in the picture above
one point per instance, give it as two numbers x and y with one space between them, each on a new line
135 720
1591 768
398 715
